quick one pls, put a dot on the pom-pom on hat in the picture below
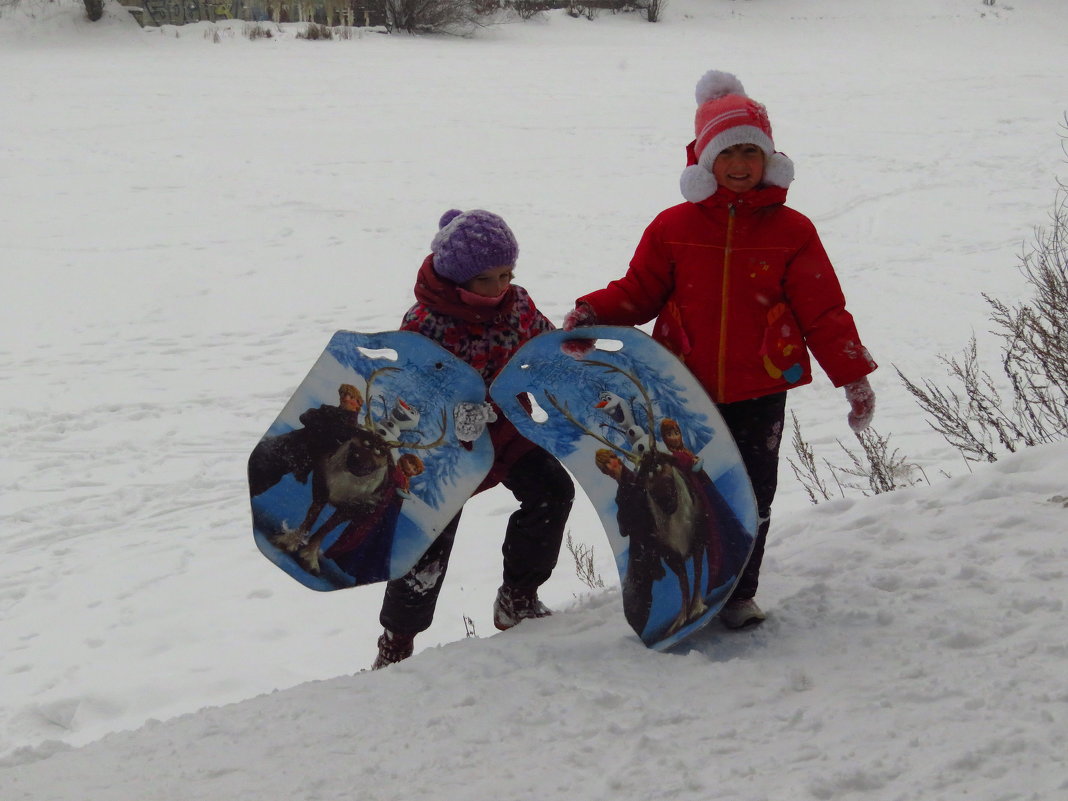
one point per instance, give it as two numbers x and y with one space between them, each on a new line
471 242
727 116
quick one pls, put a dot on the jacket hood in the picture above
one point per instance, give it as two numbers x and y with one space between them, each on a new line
443 296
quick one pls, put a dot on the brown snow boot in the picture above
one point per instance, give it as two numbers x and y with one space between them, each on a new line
393 647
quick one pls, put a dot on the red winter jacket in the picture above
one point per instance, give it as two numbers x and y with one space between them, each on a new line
742 290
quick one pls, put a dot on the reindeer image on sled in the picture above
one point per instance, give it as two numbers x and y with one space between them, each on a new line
651 451
354 491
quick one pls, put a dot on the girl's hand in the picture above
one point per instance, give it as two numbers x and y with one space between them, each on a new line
579 317
861 399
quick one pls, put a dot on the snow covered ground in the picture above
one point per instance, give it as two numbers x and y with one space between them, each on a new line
189 217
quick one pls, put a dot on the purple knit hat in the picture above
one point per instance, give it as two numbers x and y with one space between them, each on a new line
471 242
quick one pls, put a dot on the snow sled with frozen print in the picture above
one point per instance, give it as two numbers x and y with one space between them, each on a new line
366 464
650 449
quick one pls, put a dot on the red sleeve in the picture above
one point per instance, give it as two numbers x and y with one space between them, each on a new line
639 295
816 299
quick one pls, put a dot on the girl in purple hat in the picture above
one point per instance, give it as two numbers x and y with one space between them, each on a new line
466 302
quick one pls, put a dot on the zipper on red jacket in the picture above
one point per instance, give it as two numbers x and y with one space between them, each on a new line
721 367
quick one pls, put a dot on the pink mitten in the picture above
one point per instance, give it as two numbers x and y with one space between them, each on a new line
861 399
579 317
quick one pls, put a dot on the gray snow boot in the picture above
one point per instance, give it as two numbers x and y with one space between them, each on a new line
514 605
741 613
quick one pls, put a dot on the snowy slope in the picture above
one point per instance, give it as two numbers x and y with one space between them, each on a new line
188 220
915 649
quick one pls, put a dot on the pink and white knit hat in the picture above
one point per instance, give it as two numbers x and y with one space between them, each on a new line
726 116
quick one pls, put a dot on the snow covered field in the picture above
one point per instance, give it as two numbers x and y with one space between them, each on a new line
187 221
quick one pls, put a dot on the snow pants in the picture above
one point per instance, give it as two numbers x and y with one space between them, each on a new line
531 544
756 426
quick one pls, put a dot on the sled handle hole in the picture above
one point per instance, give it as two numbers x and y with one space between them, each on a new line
608 345
530 405
386 354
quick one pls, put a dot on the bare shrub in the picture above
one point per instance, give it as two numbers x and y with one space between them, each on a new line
256 31
316 32
882 469
528 9
975 418
584 567
430 16
805 470
652 9
874 470
582 9
971 420
1035 333
590 9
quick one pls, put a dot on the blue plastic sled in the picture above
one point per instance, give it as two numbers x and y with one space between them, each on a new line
363 468
654 456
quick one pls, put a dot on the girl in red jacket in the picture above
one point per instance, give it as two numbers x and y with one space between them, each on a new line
743 292
467 303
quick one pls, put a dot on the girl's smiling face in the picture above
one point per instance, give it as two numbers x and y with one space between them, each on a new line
491 283
739 168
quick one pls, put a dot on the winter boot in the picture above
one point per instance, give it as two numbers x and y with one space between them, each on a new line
514 605
740 613
393 647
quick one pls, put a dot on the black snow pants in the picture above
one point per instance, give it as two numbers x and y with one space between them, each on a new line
756 426
531 544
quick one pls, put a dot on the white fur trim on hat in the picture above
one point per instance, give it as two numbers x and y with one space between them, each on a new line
779 170
697 183
716 83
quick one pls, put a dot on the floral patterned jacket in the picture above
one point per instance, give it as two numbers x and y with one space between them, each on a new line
485 338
